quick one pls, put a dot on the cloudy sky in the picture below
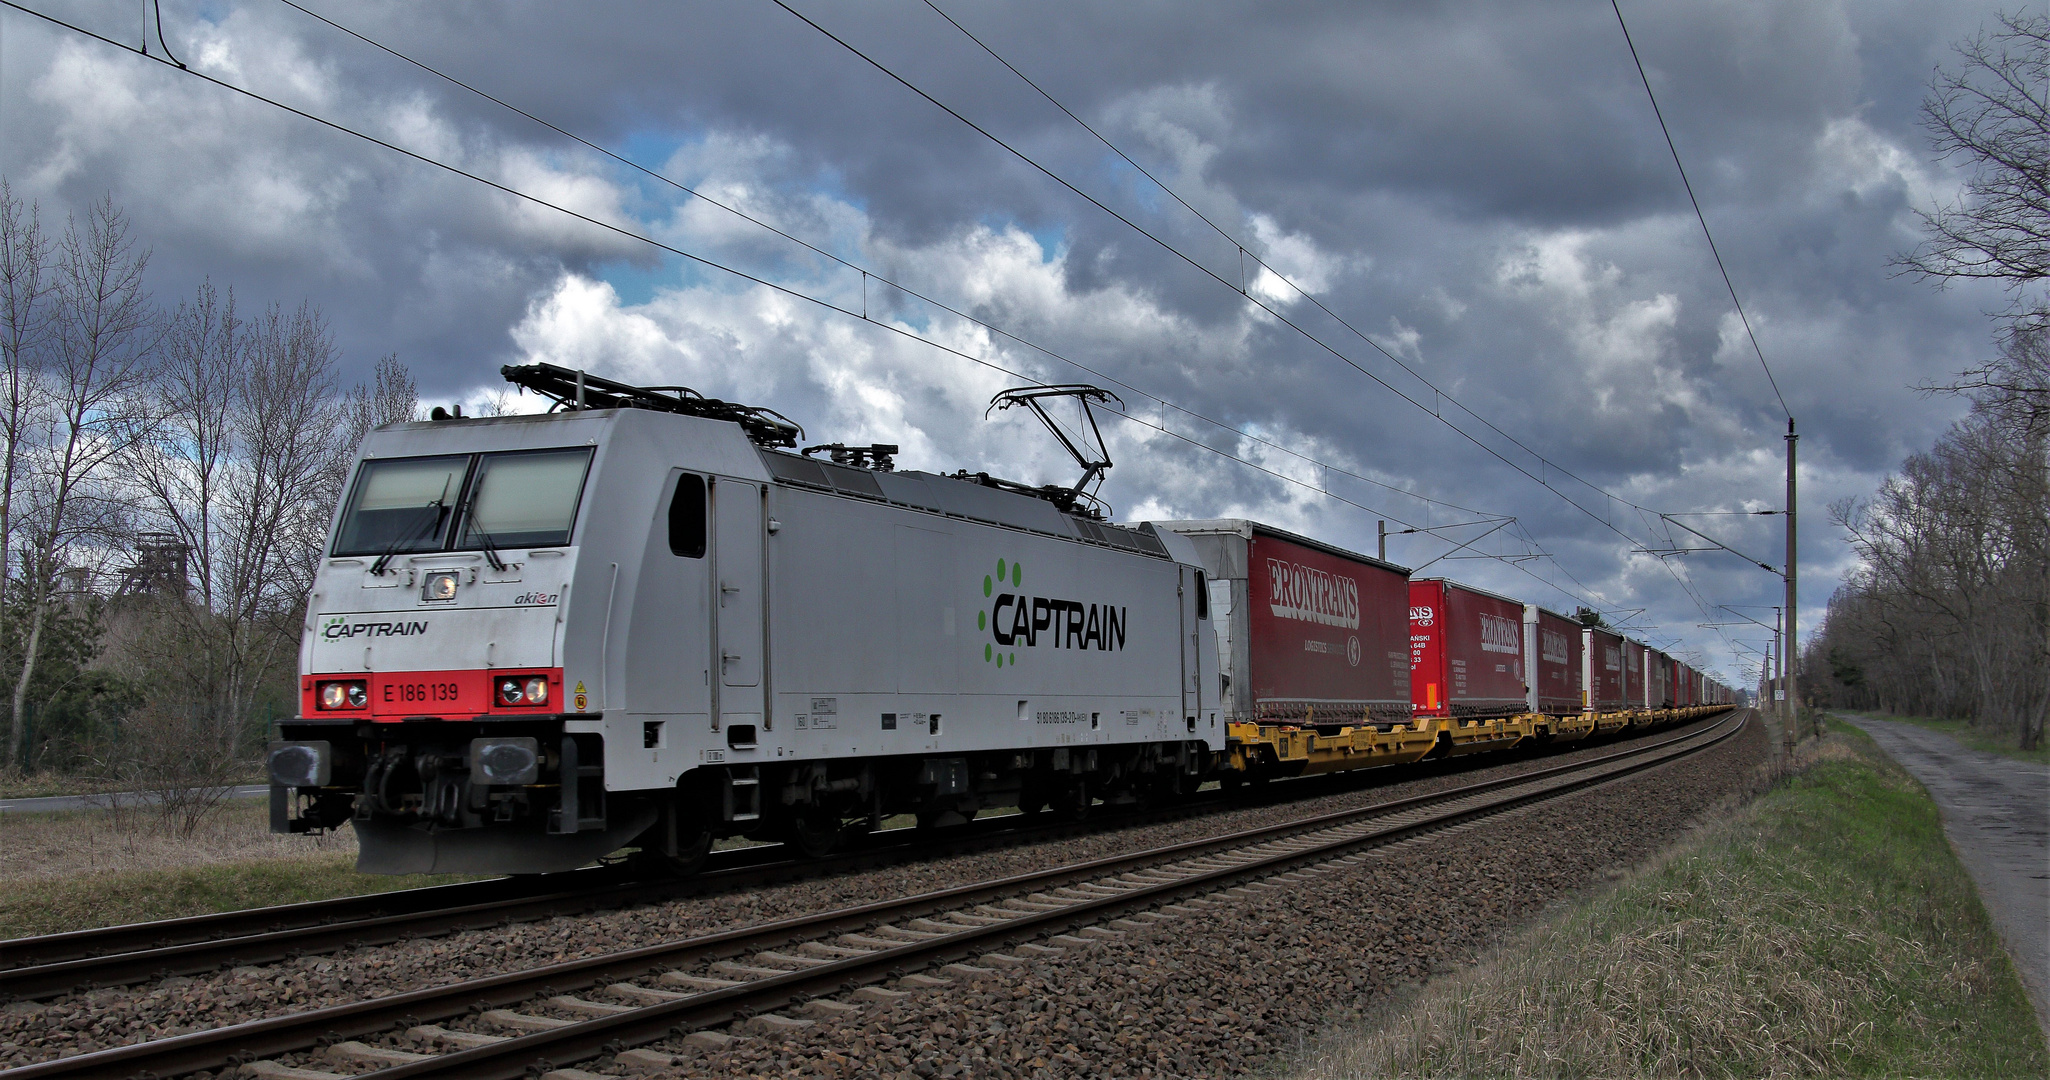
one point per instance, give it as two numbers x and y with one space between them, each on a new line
1477 195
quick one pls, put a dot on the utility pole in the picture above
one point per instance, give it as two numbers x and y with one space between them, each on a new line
1384 541
1790 658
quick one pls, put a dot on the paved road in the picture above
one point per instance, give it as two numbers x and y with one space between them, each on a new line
91 802
1996 811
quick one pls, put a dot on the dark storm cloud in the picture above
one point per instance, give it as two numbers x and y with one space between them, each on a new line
1482 189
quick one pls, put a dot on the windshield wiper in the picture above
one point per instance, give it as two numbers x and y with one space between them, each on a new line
468 511
377 568
490 551
440 505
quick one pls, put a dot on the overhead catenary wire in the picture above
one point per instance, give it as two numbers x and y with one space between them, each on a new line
1251 298
723 268
1698 215
699 259
865 272
1438 393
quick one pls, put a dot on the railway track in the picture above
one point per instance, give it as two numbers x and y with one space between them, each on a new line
39 968
529 1022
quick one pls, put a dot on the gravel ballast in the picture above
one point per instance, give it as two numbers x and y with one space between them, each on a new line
1207 994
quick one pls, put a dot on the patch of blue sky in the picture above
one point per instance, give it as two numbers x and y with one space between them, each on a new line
653 149
636 283
661 208
1144 191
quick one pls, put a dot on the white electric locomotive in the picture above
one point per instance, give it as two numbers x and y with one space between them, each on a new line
640 621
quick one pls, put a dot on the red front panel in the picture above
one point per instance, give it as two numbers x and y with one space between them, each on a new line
1481 639
1608 695
1558 670
1633 675
449 695
1327 635
1427 649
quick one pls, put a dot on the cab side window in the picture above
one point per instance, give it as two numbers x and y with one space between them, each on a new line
687 517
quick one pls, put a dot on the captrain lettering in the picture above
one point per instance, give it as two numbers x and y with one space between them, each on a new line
1067 624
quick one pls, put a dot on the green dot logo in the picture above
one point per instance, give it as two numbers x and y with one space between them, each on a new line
1010 573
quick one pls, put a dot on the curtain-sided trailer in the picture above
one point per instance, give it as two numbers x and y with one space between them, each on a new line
1466 651
1551 655
1314 647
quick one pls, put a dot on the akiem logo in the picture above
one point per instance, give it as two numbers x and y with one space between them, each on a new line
1015 619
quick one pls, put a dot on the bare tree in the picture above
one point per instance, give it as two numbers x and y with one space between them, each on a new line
103 337
1991 112
1956 548
24 323
1956 553
392 397
243 475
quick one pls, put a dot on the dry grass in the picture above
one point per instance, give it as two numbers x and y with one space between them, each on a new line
67 844
1826 930
87 868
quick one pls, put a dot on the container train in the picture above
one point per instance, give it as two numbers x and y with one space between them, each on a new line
644 620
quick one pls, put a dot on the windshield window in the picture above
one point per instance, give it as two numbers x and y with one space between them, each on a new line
402 505
525 500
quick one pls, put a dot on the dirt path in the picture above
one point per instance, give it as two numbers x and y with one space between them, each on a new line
1997 813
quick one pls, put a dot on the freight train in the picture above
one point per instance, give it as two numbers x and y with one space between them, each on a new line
645 620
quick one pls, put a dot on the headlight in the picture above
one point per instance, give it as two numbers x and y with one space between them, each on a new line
439 586
299 764
353 694
525 690
505 761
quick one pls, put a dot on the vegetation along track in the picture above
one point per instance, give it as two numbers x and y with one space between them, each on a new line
686 986
52 965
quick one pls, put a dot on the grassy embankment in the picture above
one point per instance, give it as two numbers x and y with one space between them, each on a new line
88 868
1968 735
16 785
1824 930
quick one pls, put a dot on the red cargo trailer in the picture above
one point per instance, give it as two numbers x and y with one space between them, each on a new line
1466 651
1551 651
1601 667
1309 633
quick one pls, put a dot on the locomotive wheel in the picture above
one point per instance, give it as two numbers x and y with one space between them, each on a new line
691 853
1072 802
814 833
